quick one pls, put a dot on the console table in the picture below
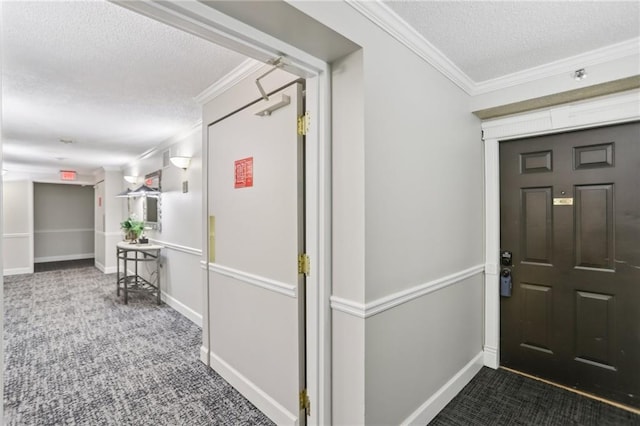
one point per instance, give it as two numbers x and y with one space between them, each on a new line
136 254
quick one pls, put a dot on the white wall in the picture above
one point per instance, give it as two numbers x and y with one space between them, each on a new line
348 257
423 221
99 225
181 226
17 227
63 222
108 212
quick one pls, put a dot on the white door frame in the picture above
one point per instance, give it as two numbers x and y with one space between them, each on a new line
203 21
619 108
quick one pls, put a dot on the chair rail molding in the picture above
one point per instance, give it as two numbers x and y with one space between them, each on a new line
398 298
177 247
256 280
597 112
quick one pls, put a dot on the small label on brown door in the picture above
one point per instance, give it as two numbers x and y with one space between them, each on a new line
563 201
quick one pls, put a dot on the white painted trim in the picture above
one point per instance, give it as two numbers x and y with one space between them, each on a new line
17 271
491 358
235 76
566 65
177 247
104 269
109 234
210 24
381 15
165 144
347 306
186 311
269 406
52 231
431 407
63 257
396 299
204 354
17 235
256 280
597 112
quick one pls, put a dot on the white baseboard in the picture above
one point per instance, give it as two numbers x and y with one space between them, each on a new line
106 270
17 271
427 411
204 354
195 317
491 358
270 407
63 257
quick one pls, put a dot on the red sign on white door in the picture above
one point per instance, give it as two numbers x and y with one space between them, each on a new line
244 173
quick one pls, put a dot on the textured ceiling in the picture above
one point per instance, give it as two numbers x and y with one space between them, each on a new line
117 83
489 39
112 81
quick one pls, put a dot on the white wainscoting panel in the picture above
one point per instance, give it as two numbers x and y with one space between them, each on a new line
427 411
17 254
270 407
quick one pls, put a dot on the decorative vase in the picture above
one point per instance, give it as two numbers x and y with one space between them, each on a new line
131 236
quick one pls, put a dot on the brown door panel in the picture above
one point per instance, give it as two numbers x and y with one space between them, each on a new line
570 213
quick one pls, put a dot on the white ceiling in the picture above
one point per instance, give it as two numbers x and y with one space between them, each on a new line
490 39
112 81
117 83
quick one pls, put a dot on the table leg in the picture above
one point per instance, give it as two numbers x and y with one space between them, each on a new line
126 293
158 276
117 272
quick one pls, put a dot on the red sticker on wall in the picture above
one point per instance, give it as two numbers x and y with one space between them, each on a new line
244 173
99 201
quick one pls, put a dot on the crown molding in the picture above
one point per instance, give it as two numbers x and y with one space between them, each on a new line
381 15
385 18
239 73
197 126
567 65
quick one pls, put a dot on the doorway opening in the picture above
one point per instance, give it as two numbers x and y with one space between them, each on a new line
567 219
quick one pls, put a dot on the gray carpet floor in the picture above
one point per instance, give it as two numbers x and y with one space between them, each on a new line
75 355
500 397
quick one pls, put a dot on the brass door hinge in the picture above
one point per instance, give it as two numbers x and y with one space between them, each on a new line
303 123
304 264
305 404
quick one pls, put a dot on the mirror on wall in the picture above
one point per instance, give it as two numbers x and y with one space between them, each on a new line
151 202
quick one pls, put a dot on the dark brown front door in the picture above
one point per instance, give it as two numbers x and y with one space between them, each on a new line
570 213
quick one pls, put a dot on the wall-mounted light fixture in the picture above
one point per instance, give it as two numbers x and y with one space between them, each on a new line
181 161
580 74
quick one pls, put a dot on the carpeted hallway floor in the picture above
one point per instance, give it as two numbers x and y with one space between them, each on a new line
500 397
74 355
